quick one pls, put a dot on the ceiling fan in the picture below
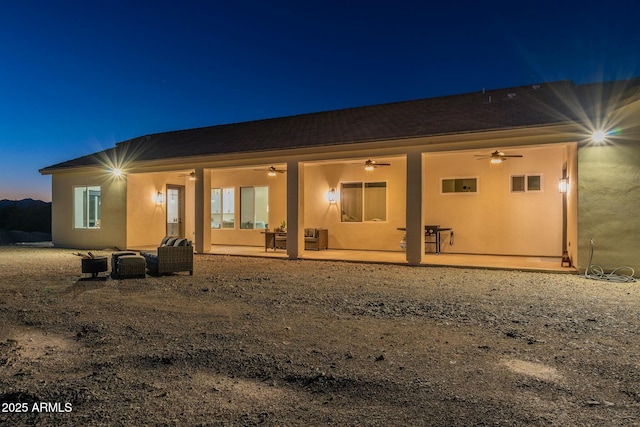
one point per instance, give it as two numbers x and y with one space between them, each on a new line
192 175
271 171
496 156
370 165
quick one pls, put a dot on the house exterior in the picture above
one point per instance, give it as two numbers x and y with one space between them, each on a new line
433 165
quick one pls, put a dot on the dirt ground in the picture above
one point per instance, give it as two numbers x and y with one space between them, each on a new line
249 341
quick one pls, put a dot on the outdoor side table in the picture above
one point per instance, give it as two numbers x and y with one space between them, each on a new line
94 265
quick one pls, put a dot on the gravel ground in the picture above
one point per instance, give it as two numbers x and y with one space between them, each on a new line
270 342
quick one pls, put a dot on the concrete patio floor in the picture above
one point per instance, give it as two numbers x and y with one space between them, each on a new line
500 262
503 262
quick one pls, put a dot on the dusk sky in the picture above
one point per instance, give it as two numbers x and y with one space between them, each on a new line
78 76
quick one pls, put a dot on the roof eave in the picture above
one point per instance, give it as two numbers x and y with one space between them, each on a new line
434 140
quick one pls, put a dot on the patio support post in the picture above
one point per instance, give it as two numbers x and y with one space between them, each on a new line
203 211
414 221
295 209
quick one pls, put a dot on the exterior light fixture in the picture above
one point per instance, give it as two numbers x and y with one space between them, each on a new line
116 172
563 185
159 197
332 196
598 136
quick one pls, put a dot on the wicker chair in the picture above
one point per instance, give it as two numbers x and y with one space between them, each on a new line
316 238
172 255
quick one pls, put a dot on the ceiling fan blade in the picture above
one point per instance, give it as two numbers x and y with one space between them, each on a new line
271 169
512 155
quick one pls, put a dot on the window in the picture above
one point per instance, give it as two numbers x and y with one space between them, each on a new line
525 183
86 207
254 207
363 201
222 208
534 183
460 185
517 184
375 201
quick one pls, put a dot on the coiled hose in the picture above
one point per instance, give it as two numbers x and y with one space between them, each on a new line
596 272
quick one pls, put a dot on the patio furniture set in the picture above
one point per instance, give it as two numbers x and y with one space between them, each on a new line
431 237
173 255
314 239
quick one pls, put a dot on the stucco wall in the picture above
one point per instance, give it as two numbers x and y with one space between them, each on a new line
383 235
494 220
245 177
147 220
113 201
609 204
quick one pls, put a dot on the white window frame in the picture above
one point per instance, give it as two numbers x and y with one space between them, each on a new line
222 213
526 183
86 208
363 187
255 223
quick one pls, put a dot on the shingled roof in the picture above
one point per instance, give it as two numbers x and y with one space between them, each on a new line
524 106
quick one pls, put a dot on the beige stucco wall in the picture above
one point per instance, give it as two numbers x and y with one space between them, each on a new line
113 207
245 177
609 204
145 219
146 223
383 235
494 220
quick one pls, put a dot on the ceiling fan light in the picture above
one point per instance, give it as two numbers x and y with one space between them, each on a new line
496 160
369 167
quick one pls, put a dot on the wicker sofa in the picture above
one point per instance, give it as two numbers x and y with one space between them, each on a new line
173 254
316 238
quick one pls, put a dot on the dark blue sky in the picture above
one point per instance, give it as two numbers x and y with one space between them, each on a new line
78 76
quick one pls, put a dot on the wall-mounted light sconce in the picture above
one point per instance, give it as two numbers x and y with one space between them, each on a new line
159 198
563 185
332 196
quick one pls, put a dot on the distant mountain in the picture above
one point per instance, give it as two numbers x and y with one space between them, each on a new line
24 203
25 215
